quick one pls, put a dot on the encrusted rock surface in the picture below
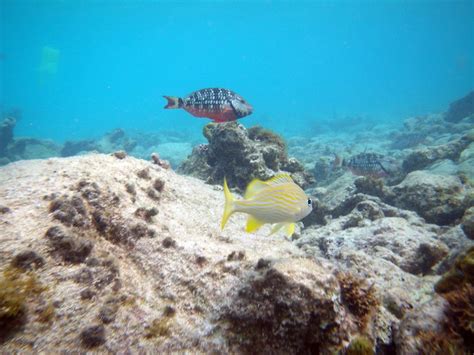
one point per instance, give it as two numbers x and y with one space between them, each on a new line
113 279
241 155
439 199
124 269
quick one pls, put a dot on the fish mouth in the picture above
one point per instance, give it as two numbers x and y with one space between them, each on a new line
249 109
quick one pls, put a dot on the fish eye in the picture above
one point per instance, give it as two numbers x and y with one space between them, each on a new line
310 203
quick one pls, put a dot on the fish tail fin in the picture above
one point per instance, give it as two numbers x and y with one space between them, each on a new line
338 162
173 102
229 204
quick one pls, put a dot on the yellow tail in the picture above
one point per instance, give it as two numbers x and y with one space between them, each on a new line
229 204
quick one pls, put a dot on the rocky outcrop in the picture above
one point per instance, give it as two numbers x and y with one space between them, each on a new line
461 108
437 198
111 253
240 155
6 134
17 148
423 157
110 142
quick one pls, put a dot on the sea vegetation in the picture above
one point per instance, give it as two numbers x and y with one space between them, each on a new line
161 327
360 346
457 331
258 133
462 272
359 297
16 287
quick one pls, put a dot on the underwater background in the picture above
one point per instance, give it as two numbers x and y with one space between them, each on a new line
78 69
352 180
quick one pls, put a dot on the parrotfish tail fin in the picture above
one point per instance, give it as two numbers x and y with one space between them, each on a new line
229 204
173 102
385 171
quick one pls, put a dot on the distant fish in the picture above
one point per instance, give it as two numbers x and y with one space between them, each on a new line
366 164
220 105
278 201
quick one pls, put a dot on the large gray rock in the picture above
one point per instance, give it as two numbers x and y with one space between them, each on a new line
439 199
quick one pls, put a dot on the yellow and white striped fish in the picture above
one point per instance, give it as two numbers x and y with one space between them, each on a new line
278 201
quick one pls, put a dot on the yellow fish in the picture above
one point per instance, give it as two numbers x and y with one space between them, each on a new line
278 201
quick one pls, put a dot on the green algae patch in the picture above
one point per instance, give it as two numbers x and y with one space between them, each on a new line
360 346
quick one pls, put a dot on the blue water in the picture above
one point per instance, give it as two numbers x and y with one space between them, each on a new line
296 62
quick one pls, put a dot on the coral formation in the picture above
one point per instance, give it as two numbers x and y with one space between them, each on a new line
286 310
242 155
71 249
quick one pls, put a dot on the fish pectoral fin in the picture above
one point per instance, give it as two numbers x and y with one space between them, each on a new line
289 229
277 227
253 224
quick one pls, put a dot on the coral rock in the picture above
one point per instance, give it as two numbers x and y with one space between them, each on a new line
241 155
290 308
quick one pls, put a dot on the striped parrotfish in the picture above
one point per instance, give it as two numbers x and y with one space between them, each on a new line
278 201
366 164
220 105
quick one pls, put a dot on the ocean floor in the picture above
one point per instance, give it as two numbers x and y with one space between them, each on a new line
124 255
112 253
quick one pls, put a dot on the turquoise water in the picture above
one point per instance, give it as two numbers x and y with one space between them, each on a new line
78 69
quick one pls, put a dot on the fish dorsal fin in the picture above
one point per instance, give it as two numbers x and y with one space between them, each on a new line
254 187
280 179
253 224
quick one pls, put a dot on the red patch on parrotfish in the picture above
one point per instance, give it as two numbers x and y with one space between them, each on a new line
222 116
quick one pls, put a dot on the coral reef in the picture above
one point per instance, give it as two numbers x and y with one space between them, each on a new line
241 155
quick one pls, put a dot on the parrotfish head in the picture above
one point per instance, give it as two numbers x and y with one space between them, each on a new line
241 107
